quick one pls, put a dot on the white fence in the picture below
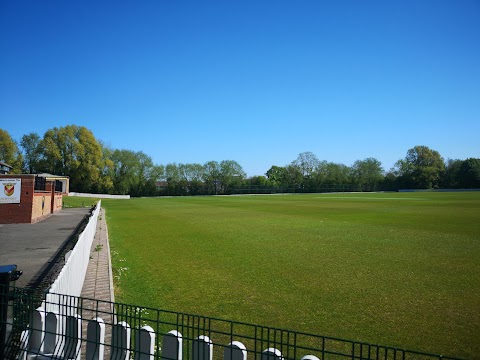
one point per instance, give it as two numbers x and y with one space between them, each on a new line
99 196
44 340
71 277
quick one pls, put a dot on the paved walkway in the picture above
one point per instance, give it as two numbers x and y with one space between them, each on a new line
98 279
98 283
33 246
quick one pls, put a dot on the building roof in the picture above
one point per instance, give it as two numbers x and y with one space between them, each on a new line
50 176
5 164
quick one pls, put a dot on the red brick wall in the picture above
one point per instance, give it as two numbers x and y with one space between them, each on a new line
33 206
22 212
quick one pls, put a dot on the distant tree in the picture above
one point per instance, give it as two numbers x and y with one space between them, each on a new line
231 175
146 176
293 177
134 173
30 144
260 181
211 176
306 162
469 173
73 151
194 174
9 152
336 174
451 175
107 172
319 175
367 174
176 184
421 168
390 181
276 175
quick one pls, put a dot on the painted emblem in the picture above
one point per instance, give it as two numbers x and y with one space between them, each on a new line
9 189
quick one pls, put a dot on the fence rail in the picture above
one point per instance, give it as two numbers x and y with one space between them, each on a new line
71 277
82 328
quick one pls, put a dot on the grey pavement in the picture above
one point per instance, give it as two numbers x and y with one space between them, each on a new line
98 282
32 246
98 279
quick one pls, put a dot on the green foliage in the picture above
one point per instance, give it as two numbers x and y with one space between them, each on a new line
306 163
9 152
367 174
422 168
93 167
134 173
73 151
30 144
399 269
469 173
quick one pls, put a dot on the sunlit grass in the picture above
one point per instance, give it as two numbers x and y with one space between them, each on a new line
395 269
76 201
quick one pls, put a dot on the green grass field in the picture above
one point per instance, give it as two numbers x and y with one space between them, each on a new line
398 269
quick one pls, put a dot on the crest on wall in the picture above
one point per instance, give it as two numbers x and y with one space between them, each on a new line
9 189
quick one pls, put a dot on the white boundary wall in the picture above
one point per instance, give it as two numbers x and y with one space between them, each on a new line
71 277
100 196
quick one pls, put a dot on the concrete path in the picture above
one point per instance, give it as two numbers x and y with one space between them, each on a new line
98 284
32 246
98 279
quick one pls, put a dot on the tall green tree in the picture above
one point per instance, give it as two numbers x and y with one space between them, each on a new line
211 176
75 152
293 177
191 175
422 168
30 144
176 184
451 175
331 176
231 175
134 173
337 175
367 174
306 163
276 175
469 173
9 152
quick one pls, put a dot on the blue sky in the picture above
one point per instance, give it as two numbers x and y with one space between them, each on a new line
253 81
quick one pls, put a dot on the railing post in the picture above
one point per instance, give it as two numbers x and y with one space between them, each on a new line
120 341
8 275
172 346
235 351
95 339
202 348
145 343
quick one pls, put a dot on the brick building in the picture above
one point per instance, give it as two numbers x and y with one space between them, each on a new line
29 198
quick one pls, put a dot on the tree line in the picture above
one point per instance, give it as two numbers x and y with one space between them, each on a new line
96 168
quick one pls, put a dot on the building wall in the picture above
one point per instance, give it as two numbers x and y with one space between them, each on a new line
34 205
57 202
21 212
42 206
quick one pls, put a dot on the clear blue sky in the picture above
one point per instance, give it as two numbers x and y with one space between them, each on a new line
254 81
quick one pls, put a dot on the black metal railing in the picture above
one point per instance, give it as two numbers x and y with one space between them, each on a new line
256 339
